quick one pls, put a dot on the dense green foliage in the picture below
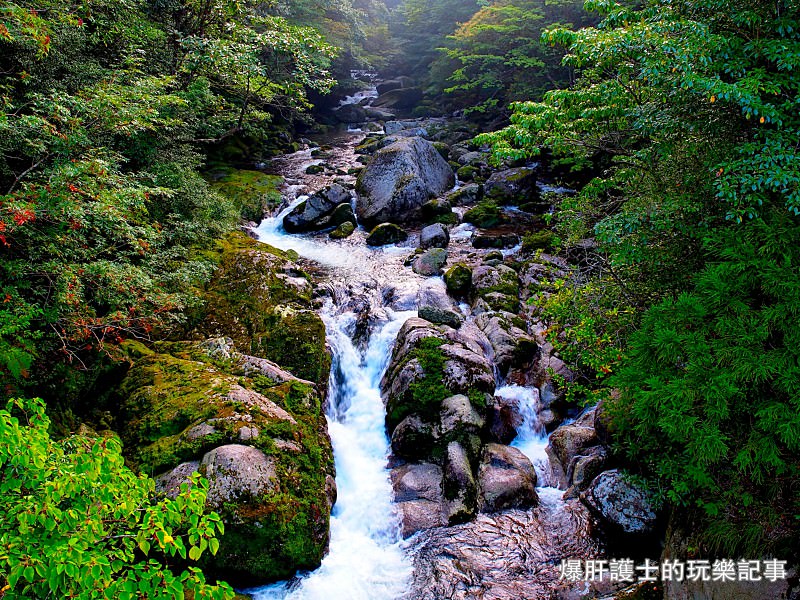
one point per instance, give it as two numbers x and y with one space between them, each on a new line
688 113
107 112
497 57
120 541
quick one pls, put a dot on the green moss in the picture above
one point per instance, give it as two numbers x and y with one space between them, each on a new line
249 301
267 537
254 193
426 394
485 214
467 173
458 280
540 240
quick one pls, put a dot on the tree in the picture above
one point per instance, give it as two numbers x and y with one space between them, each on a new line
688 115
77 523
497 56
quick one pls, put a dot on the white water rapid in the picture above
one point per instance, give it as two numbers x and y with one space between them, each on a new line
366 560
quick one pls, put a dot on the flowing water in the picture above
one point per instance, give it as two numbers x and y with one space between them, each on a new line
366 559
371 294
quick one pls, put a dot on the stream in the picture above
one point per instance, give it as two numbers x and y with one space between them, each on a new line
370 294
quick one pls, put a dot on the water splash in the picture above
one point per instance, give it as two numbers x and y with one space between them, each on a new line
365 560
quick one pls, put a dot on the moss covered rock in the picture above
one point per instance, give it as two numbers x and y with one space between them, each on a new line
343 231
262 300
458 279
485 214
254 193
261 442
386 233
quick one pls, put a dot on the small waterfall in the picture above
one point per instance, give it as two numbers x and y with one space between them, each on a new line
365 560
532 438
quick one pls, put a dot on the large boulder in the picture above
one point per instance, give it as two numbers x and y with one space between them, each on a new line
621 504
430 262
394 84
316 213
351 113
434 236
507 479
512 186
400 98
418 496
386 233
399 179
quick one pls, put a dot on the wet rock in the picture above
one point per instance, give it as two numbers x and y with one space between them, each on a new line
621 504
441 316
459 417
435 209
406 98
431 262
568 443
394 84
418 496
586 467
460 488
511 345
504 555
504 419
434 236
413 439
342 214
316 213
343 231
315 169
351 113
458 280
512 186
399 179
482 241
466 195
237 472
386 233
507 479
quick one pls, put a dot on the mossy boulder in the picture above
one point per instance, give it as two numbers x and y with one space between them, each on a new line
189 407
465 195
458 279
497 286
315 169
343 231
253 193
513 186
262 300
467 173
430 262
386 233
485 214
539 240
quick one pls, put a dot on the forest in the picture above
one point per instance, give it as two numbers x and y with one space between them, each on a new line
617 186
